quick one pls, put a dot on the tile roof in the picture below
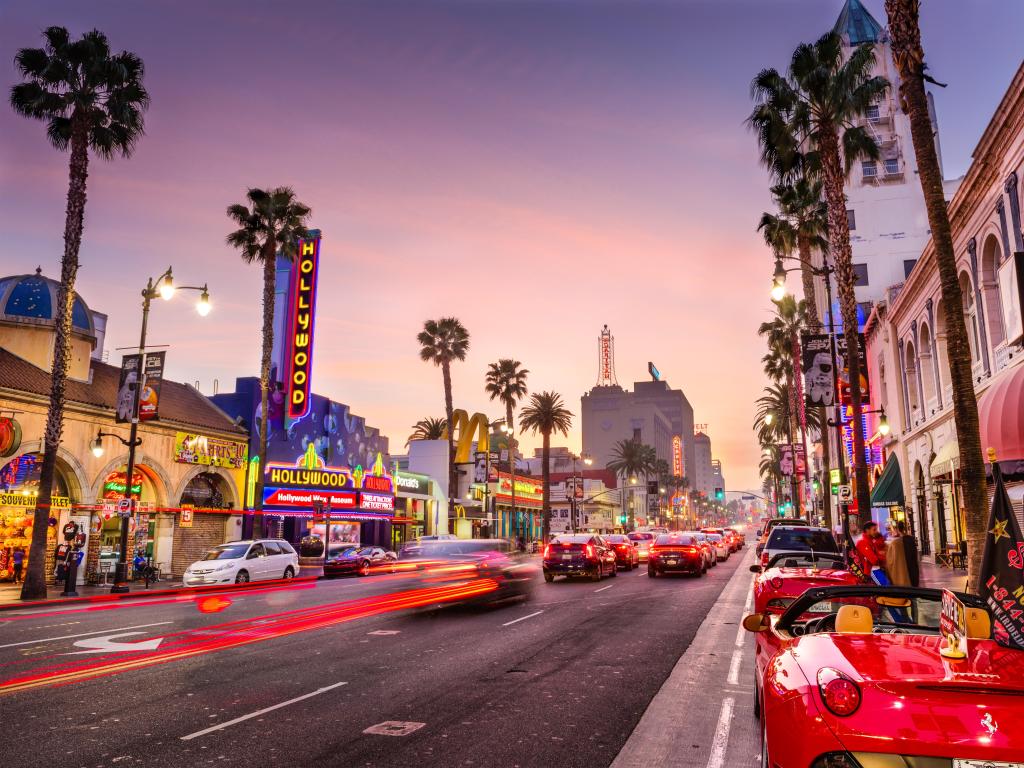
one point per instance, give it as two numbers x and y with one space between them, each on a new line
178 402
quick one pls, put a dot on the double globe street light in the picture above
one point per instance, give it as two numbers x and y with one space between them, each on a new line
164 288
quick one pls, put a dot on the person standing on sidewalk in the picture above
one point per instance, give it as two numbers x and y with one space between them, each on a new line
896 567
18 560
871 549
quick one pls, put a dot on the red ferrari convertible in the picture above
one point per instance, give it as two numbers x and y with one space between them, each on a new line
844 685
790 574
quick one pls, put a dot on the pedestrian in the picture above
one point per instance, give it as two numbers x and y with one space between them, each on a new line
871 549
910 554
896 558
18 558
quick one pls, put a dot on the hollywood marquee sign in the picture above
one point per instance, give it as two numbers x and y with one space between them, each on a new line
301 319
339 478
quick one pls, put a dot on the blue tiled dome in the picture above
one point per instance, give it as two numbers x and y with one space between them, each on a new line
33 298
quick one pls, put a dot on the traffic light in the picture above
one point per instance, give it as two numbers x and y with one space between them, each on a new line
719 494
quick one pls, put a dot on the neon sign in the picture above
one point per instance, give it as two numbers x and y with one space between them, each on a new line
677 455
300 327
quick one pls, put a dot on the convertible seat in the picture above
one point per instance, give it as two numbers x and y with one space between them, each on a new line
854 620
979 624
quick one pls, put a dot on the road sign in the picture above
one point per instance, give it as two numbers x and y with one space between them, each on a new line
124 507
845 493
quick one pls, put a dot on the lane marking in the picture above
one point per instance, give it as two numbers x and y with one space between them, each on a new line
741 634
522 618
84 634
384 632
108 643
750 597
602 589
721 742
734 667
263 711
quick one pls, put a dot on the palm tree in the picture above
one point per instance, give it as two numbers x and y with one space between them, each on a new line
270 226
506 381
813 108
442 342
428 429
908 55
546 413
804 216
630 460
90 99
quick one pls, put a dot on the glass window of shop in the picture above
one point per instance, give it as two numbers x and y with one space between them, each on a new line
19 487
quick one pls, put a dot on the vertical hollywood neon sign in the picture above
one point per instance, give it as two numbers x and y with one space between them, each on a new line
301 315
677 455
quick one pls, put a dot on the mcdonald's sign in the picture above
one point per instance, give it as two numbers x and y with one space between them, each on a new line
301 319
467 426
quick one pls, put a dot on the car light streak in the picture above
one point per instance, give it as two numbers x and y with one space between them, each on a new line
189 643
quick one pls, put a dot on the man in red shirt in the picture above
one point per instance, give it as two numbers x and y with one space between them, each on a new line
871 547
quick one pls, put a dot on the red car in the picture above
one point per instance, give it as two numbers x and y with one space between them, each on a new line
863 688
790 574
627 555
676 553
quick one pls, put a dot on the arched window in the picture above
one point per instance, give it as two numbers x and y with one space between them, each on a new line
941 348
910 369
991 256
970 317
927 367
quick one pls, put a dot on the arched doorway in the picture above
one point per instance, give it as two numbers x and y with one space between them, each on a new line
207 490
921 502
147 492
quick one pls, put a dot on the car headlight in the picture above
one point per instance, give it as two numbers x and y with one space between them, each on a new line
835 760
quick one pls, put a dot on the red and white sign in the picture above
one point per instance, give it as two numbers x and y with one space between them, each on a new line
377 502
286 497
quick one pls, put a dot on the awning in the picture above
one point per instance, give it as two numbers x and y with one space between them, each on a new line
947 459
888 491
1000 412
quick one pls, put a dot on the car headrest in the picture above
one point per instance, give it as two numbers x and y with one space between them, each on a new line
979 624
854 620
791 563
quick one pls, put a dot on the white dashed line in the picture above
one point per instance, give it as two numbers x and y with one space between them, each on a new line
522 618
734 667
602 589
721 743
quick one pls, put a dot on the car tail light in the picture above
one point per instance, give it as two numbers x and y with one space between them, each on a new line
776 582
547 551
840 694
590 551
764 559
691 550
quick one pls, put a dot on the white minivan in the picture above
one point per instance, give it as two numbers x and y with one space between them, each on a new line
239 562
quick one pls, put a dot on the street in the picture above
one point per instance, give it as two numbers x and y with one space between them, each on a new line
562 679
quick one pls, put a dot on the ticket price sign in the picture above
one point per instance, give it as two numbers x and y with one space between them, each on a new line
953 626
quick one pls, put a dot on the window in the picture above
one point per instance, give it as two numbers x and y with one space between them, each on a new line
636 435
273 548
851 218
872 113
256 551
892 166
869 169
860 274
908 266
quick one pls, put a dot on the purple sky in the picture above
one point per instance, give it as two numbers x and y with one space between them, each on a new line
537 169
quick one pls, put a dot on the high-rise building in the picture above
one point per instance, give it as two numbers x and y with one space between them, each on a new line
885 205
702 480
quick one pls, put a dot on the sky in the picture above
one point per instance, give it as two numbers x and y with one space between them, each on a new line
536 168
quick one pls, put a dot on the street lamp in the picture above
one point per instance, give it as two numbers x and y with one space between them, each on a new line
162 287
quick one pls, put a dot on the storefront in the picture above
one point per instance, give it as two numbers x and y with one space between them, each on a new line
525 518
19 487
414 507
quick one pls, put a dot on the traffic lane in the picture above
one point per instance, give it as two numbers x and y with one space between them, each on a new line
31 640
461 672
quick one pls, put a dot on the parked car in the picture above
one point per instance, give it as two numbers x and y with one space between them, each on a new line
643 541
240 562
706 547
579 554
626 553
862 689
676 553
798 538
358 560
728 535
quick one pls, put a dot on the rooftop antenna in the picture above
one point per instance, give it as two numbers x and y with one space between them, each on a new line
606 359
216 386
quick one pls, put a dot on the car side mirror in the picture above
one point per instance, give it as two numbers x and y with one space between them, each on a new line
756 622
755 569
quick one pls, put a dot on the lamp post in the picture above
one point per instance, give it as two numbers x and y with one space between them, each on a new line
573 507
164 288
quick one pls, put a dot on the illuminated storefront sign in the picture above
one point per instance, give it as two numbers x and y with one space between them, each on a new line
10 436
301 313
677 455
377 502
311 483
113 487
190 448
305 498
411 483
28 501
529 492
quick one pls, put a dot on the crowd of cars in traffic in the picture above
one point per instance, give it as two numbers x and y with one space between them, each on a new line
859 671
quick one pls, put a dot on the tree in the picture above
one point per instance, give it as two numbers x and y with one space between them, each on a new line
908 55
546 413
630 460
428 429
271 225
813 108
91 99
506 381
442 342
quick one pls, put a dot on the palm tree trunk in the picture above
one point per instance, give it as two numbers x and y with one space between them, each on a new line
269 280
34 587
839 242
807 278
449 409
546 512
908 55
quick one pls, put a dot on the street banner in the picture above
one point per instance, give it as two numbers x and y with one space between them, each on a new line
816 353
127 385
149 399
192 448
844 370
1002 569
792 460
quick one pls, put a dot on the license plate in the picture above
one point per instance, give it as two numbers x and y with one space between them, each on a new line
671 562
567 557
984 764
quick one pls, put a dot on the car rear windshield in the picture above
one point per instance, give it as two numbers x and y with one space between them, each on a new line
641 537
675 540
616 538
801 539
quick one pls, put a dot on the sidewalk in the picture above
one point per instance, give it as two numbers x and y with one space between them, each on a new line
937 577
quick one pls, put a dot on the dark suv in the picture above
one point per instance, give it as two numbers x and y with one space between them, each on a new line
579 554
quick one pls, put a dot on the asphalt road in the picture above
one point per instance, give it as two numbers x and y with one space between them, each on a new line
296 676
